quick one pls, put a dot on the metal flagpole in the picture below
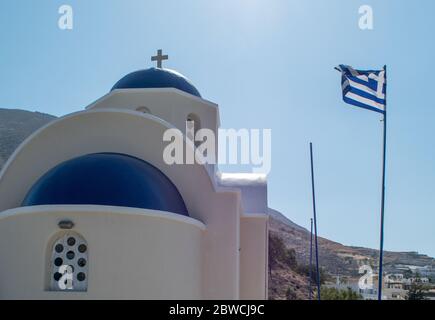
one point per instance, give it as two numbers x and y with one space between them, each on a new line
381 249
311 260
315 221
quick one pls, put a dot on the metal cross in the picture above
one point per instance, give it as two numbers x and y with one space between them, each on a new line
159 58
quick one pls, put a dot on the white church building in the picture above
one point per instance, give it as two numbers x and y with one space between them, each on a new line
90 210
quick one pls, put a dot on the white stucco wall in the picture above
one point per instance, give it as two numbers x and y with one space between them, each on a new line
169 104
254 256
133 253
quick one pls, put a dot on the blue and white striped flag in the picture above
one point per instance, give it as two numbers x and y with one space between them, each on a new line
365 89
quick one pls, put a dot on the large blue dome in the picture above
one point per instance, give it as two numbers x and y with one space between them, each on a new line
156 78
107 179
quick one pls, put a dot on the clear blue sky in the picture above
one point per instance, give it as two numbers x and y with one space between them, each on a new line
268 64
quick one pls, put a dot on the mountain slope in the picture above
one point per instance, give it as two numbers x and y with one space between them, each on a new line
286 281
335 257
15 126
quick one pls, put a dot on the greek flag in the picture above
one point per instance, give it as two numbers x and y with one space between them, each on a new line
365 89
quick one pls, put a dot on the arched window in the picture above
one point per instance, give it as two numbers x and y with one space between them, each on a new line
193 124
69 263
143 110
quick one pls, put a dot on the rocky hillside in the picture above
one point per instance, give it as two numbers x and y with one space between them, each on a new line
335 258
15 126
287 281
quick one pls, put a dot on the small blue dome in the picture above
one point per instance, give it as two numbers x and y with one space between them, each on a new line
156 78
107 179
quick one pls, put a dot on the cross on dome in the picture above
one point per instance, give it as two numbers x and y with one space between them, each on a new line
159 58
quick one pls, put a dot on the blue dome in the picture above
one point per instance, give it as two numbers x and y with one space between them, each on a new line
156 78
107 179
